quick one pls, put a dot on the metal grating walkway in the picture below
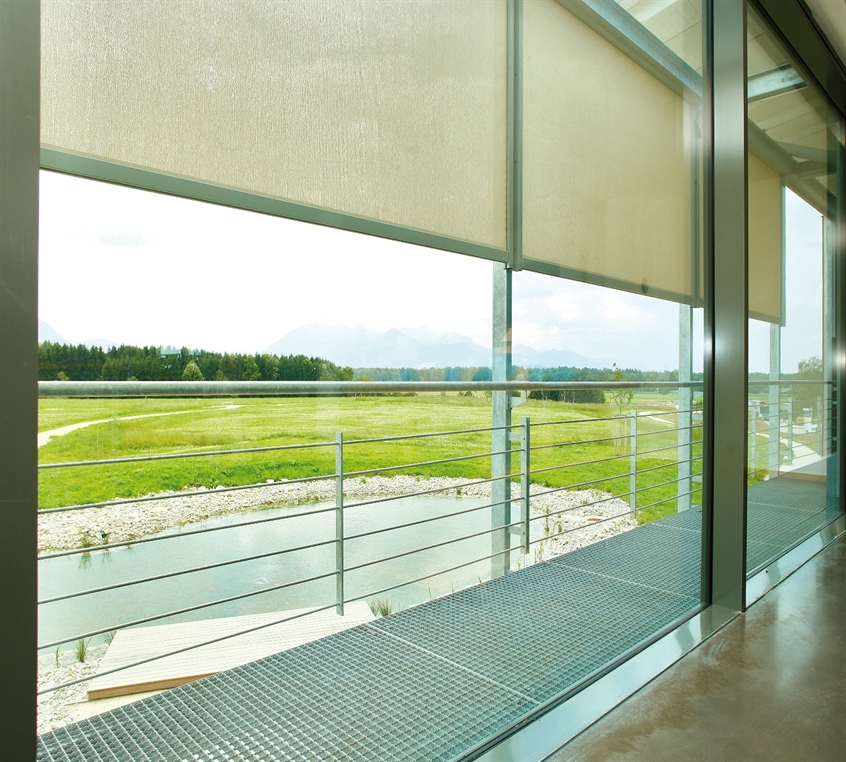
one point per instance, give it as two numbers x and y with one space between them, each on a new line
435 680
781 512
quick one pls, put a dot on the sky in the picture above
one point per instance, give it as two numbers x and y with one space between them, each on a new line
119 265
801 336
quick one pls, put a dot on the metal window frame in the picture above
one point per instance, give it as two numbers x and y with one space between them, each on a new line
19 136
725 323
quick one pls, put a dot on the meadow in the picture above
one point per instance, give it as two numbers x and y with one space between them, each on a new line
223 424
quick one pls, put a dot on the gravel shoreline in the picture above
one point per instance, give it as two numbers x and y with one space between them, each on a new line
579 515
87 527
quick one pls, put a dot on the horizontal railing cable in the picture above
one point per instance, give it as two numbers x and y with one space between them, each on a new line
174 535
181 572
398 585
626 475
433 491
612 439
189 493
610 518
400 437
441 544
181 455
265 625
578 529
669 499
382 469
187 609
603 460
562 511
51 688
428 520
283 388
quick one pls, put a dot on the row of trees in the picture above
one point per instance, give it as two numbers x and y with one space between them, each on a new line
82 363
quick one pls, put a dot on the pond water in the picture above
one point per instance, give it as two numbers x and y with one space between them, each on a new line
109 609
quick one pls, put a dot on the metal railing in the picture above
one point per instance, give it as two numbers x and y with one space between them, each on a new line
776 420
636 447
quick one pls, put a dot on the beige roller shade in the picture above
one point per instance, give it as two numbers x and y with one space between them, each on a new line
385 109
607 181
766 228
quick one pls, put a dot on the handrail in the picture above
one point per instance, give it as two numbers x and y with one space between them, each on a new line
281 388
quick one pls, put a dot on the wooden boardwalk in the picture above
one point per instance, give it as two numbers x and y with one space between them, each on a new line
135 645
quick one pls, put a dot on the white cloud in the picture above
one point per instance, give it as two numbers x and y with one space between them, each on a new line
615 308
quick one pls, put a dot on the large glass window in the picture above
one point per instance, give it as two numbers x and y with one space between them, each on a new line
794 145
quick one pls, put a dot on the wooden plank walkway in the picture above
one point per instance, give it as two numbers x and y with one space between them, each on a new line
134 645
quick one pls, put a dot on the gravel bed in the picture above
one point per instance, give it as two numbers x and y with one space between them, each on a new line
120 523
54 707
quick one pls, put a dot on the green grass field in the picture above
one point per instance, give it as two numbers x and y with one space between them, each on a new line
207 424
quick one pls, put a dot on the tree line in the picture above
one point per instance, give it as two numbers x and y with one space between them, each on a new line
126 362
66 362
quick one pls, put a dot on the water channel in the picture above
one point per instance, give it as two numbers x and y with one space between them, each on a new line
110 609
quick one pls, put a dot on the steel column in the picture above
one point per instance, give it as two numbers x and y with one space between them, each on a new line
339 523
501 414
685 417
774 400
633 462
19 136
525 483
726 332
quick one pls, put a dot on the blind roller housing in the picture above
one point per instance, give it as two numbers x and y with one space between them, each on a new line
385 109
607 185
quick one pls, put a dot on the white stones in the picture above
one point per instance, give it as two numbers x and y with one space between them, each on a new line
563 511
53 707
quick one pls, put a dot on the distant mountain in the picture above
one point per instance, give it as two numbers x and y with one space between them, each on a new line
361 347
46 332
555 358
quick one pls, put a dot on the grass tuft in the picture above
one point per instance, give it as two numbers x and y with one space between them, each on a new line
81 649
381 607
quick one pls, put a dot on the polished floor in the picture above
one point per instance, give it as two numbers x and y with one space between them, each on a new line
769 686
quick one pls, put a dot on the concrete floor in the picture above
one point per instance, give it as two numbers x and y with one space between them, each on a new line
769 686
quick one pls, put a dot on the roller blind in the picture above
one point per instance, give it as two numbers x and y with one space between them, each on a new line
385 109
607 181
765 232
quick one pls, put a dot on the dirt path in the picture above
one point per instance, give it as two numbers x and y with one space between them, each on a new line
45 436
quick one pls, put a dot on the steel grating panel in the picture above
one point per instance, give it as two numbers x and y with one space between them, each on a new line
659 555
541 630
436 679
781 512
690 519
425 683
360 696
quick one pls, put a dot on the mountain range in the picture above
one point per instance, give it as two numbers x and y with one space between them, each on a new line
362 347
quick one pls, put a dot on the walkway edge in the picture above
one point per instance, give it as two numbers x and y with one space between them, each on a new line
551 731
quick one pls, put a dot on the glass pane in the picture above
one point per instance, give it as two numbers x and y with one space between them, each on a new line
794 138
678 24
612 197
385 109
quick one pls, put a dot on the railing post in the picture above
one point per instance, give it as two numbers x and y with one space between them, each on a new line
790 431
525 470
339 522
774 404
684 419
633 463
753 433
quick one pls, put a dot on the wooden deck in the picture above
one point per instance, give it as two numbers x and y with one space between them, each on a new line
135 645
